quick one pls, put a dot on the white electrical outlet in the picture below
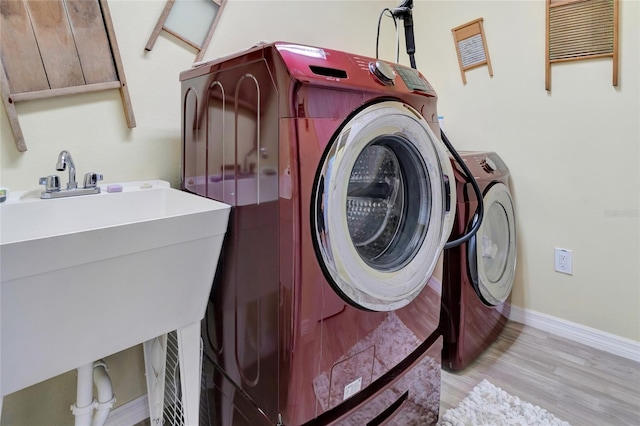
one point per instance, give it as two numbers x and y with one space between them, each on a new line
564 261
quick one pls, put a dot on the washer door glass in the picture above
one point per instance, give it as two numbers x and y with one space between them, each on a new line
496 246
385 224
379 207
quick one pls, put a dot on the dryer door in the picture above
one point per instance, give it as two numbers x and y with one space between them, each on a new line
382 213
492 252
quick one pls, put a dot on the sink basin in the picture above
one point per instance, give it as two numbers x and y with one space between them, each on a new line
85 277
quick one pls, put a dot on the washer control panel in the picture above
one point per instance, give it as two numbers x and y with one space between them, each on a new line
413 80
484 165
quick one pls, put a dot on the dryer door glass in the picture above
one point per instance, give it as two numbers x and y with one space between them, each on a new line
380 207
496 246
495 242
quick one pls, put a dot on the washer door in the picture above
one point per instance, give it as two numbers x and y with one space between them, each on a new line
381 212
492 251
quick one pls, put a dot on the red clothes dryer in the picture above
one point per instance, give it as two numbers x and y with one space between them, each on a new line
479 274
326 302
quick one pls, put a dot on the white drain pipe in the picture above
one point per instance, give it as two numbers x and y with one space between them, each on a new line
106 398
85 402
83 408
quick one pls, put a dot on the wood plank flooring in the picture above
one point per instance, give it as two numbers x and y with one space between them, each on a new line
576 383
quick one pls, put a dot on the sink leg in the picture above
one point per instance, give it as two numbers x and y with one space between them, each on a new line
155 359
190 371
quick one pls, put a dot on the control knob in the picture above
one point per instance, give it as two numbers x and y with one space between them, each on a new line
488 165
383 72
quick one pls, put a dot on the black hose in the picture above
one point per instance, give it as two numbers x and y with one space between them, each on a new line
476 189
407 17
395 23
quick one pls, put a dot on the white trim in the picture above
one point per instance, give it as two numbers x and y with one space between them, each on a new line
597 339
129 414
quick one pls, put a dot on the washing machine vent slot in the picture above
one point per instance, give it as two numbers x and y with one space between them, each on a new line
328 72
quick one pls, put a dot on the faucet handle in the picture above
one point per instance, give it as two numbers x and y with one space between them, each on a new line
51 183
91 179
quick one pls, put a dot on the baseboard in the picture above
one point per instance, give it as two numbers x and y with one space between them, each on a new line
597 339
129 414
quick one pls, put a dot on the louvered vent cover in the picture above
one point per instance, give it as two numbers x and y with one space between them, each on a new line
173 410
581 29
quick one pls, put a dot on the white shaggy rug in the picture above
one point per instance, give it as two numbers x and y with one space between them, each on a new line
488 405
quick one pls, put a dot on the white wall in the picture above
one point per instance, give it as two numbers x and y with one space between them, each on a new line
573 152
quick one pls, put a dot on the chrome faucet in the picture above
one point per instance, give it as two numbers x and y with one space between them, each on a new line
65 161
52 182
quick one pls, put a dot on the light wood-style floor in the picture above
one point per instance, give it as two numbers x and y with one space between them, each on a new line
576 383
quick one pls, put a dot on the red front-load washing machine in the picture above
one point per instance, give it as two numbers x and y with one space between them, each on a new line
326 301
478 274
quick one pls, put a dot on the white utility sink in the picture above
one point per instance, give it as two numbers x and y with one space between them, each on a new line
85 277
